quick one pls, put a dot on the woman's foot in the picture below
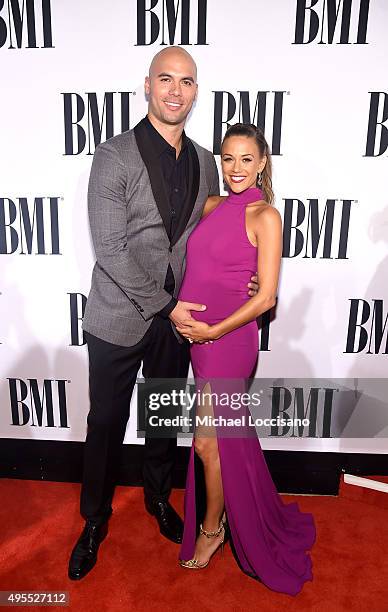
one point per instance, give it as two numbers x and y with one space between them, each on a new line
206 545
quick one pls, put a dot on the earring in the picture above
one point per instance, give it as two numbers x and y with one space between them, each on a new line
259 180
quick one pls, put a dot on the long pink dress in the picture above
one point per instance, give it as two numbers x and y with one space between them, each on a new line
270 538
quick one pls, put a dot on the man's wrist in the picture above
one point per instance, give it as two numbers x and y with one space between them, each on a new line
168 308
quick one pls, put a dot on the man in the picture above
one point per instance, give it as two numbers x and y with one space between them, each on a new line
146 193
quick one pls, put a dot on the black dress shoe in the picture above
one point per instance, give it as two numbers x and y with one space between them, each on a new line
84 555
170 523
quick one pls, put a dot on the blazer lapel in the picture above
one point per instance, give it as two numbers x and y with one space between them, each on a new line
192 193
154 172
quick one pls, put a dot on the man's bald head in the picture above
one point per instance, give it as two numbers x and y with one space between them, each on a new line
173 54
171 86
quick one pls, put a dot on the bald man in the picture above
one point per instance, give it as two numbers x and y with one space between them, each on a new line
147 190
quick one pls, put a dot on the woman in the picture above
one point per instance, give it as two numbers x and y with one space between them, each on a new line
238 234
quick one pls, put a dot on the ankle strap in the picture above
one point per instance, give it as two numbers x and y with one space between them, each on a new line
211 534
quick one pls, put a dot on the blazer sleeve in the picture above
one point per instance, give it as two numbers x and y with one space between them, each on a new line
214 188
107 209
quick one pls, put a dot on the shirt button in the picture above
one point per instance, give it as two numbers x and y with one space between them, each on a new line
176 189
173 212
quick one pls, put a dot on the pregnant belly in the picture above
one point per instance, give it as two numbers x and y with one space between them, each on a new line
220 300
218 307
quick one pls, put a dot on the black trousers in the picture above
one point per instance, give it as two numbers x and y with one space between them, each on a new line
112 375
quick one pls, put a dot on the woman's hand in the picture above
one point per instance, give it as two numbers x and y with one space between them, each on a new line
253 286
196 331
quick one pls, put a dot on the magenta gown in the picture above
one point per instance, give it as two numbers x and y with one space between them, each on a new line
270 538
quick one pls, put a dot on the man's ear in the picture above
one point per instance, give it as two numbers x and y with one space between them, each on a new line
147 85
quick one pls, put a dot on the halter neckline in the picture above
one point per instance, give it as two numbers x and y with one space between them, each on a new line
252 194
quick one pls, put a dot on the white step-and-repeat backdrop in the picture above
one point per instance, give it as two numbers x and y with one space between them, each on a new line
313 73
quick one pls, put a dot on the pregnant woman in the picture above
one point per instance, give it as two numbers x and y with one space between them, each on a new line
238 234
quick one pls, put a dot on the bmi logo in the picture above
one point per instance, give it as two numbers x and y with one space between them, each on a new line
29 226
90 118
367 328
264 323
342 22
377 136
259 107
171 22
25 23
312 403
318 229
38 403
77 310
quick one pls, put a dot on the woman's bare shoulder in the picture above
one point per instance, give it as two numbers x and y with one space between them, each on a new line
211 203
265 215
264 209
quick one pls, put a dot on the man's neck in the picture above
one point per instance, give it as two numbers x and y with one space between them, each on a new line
171 133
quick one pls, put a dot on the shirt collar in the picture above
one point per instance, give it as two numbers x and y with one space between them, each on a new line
161 145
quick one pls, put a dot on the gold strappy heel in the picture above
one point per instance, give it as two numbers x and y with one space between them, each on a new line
194 563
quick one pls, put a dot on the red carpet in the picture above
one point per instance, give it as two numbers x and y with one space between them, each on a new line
369 496
137 568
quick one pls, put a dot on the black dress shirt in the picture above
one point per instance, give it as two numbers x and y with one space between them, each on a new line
175 172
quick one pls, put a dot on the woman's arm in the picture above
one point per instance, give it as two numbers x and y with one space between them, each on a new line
267 226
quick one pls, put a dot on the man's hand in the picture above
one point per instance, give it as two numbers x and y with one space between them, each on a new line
253 286
182 312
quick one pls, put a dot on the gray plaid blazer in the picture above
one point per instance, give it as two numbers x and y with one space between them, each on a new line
128 217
